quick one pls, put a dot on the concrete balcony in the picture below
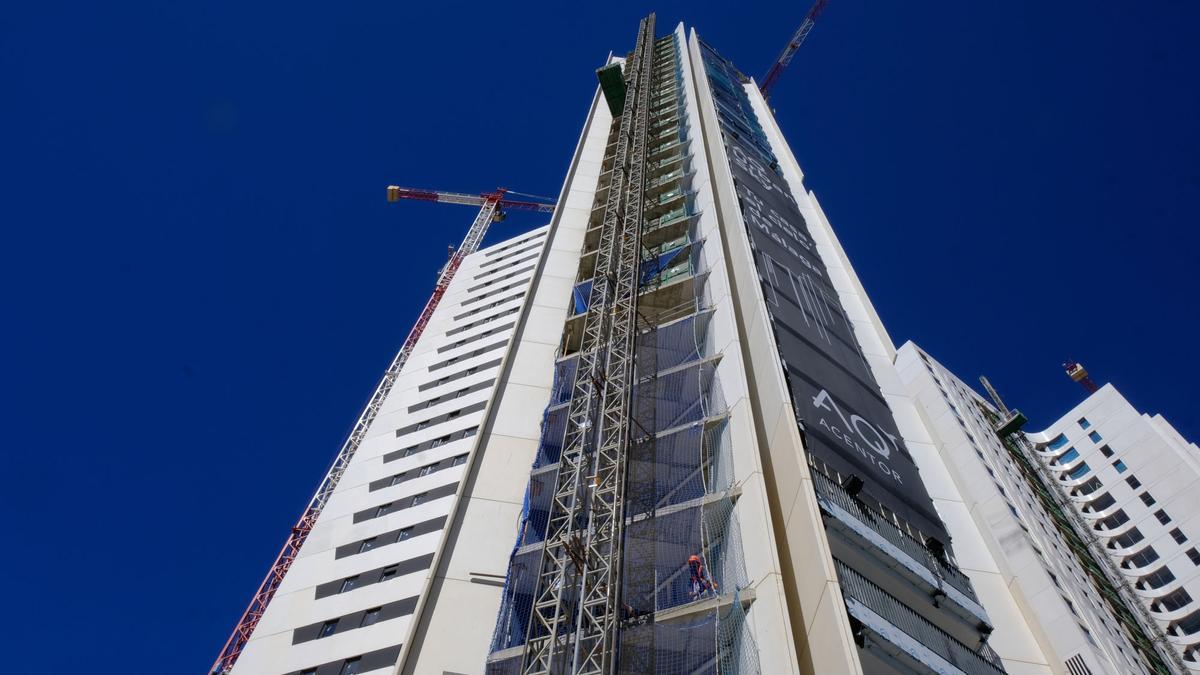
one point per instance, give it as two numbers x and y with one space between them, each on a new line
908 558
890 632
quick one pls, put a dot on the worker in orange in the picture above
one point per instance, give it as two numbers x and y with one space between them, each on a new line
700 583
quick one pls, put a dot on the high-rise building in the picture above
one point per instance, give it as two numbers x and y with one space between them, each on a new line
362 574
1092 521
720 446
666 433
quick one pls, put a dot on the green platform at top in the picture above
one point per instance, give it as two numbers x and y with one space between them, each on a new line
612 83
1012 424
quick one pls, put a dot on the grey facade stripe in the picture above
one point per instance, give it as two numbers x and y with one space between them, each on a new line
535 248
502 277
511 245
349 622
380 658
375 576
506 250
465 341
440 419
445 379
388 538
528 258
422 447
446 398
469 355
480 322
488 296
405 476
403 503
485 308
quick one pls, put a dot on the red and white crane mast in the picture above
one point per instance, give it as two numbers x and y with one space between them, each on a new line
793 45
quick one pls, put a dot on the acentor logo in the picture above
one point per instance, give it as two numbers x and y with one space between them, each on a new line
859 434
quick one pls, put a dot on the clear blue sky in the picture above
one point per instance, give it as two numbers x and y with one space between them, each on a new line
202 280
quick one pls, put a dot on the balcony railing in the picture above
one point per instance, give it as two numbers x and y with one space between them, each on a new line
857 589
834 492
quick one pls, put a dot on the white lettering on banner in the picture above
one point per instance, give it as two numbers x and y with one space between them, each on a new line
870 435
768 221
751 166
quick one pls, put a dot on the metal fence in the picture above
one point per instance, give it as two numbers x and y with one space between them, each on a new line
856 587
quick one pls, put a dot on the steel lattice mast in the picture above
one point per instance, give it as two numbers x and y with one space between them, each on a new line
793 45
490 205
577 598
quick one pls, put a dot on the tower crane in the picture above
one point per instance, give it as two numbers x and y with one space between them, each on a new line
1078 373
785 57
491 209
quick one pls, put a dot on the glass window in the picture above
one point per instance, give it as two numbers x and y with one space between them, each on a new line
1194 556
383 509
1115 520
1133 482
398 479
404 534
427 469
1162 516
470 432
461 459
412 450
1089 487
366 545
417 499
1094 436
1120 466
1189 623
349 583
371 617
1156 579
329 628
1083 423
1141 558
350 667
1057 442
1078 472
387 573
1068 456
1100 503
1172 601
1128 539
1177 535
1107 451
1147 499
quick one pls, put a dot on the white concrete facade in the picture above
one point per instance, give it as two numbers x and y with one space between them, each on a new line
1047 612
1136 481
407 473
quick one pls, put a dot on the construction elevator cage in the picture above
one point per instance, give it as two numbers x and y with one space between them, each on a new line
681 563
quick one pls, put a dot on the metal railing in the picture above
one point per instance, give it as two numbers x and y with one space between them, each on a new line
855 586
835 493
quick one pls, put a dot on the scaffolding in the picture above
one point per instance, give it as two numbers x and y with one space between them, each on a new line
628 556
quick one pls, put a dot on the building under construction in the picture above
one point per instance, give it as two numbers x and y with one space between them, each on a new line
663 434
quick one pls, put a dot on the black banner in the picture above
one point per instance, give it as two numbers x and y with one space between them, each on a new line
847 422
